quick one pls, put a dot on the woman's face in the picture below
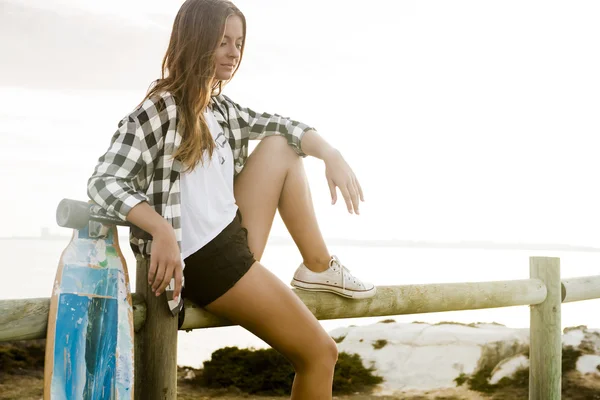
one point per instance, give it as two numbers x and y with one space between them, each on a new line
227 55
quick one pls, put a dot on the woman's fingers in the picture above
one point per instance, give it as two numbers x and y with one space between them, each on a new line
332 191
160 274
347 197
339 174
178 282
351 194
166 280
165 261
360 191
354 197
152 270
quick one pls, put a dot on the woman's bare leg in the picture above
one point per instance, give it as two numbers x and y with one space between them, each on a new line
261 303
274 178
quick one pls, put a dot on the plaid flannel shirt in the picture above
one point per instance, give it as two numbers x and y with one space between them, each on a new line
139 165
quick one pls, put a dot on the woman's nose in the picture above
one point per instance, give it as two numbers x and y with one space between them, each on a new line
234 52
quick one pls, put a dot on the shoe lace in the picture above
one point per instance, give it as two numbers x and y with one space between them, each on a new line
335 264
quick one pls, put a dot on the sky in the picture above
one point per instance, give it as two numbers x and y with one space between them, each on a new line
463 120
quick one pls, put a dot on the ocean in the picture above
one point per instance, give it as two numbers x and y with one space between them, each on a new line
30 267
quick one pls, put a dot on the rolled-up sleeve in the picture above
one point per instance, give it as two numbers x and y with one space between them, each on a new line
115 183
262 125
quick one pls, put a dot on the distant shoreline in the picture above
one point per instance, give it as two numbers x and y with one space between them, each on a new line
417 244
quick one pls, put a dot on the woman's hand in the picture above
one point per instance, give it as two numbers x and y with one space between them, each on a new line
165 259
165 262
339 173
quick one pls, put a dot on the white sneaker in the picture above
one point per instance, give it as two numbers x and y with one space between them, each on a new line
337 279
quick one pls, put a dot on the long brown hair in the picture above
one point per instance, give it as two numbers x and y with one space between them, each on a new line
188 69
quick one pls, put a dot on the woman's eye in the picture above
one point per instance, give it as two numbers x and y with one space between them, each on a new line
239 46
224 44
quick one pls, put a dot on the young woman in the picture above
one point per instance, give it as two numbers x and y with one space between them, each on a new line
178 168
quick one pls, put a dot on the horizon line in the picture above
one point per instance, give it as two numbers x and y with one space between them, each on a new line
416 243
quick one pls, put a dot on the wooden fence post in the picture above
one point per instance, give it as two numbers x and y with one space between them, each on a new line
155 344
545 345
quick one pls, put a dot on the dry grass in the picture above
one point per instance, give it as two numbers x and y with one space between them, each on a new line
30 387
22 387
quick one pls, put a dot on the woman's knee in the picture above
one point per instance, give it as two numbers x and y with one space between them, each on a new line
327 355
321 354
272 158
276 144
332 351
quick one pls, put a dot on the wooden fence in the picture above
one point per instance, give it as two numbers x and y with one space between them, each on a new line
156 366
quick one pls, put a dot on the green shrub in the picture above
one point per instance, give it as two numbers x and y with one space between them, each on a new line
569 358
519 380
22 355
380 344
351 376
256 372
461 379
474 324
479 380
339 339
454 323
266 372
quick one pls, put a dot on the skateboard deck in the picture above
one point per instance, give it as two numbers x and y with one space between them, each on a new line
89 345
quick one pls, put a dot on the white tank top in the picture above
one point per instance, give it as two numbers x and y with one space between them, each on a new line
207 200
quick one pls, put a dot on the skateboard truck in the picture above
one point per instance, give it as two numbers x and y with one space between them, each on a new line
77 214
98 230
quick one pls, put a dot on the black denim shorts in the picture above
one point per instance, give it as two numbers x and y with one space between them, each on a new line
216 267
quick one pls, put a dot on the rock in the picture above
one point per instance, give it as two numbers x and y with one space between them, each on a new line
589 364
507 368
583 339
189 375
492 354
421 356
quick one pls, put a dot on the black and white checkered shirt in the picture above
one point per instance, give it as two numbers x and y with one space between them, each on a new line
139 166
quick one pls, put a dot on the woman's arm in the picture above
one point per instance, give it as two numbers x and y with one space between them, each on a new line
113 183
116 184
165 258
314 145
261 125
337 171
305 141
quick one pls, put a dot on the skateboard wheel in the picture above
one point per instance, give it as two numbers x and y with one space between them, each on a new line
72 214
